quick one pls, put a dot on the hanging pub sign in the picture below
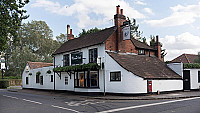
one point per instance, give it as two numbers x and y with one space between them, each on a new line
76 58
126 33
3 65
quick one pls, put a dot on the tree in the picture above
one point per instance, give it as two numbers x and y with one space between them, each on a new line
11 16
84 32
35 44
61 38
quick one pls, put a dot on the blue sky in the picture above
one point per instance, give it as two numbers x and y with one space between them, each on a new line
177 22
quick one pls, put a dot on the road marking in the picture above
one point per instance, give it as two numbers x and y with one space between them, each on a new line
146 105
65 108
32 101
83 103
10 96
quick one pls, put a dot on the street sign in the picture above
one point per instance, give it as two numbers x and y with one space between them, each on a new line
126 33
76 58
3 65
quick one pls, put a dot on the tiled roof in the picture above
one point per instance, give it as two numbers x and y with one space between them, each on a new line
34 65
144 66
186 58
141 45
86 40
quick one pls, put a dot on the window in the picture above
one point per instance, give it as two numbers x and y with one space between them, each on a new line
198 76
81 79
93 78
66 60
141 52
93 54
86 79
51 78
66 80
41 80
37 79
115 76
26 80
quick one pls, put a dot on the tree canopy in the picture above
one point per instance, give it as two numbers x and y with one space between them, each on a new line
84 32
11 16
36 43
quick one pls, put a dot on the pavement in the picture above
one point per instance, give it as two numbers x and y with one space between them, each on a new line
168 95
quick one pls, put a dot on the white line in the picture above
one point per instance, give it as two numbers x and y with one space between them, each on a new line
32 101
65 108
146 105
10 96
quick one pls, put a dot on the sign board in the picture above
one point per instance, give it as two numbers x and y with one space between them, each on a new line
76 58
3 64
126 33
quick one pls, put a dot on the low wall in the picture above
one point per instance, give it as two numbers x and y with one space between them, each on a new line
15 82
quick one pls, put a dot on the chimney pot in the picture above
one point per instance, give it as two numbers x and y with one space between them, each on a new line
71 31
157 38
118 8
122 12
68 26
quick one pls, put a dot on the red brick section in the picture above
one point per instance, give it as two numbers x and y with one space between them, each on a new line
70 36
158 47
116 43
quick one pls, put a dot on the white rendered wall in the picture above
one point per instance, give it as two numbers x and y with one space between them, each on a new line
194 78
176 67
167 85
60 83
47 84
129 82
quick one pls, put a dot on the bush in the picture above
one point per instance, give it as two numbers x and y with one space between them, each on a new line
4 83
12 77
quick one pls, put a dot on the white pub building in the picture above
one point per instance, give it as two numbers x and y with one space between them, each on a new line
107 61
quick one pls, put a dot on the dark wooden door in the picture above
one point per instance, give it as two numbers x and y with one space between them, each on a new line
186 80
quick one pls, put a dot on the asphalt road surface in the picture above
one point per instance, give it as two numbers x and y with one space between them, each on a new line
20 102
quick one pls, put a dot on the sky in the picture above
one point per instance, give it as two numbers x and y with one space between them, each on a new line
177 22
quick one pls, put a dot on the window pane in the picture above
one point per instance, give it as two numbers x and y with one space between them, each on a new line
37 79
26 80
51 78
94 78
81 79
115 76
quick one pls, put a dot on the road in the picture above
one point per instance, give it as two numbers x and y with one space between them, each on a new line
18 102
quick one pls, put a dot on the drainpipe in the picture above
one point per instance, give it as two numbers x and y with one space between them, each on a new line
54 77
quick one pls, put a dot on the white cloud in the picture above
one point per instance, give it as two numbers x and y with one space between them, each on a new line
183 43
181 15
83 10
149 11
140 2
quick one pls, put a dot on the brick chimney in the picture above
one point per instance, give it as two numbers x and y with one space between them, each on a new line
70 36
119 19
158 47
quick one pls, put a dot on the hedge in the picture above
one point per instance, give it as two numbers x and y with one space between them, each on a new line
4 83
191 66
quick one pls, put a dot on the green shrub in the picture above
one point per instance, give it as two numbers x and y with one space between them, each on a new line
12 77
191 66
4 83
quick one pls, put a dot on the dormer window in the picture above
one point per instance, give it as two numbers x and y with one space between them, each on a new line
141 52
93 54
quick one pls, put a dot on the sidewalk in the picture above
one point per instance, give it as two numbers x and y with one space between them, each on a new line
169 95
